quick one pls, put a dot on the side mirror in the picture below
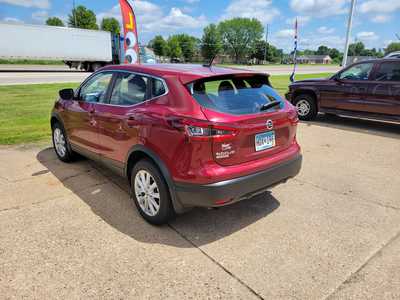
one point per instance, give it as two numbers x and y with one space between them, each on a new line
66 94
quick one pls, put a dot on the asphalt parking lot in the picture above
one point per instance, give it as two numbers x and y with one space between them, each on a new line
70 230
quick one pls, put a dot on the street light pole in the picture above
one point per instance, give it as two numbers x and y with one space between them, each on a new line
73 4
349 25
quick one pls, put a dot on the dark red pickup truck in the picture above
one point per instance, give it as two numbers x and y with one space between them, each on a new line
369 89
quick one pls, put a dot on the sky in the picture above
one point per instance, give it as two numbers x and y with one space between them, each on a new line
321 22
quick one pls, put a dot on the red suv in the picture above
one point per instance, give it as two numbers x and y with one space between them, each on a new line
183 135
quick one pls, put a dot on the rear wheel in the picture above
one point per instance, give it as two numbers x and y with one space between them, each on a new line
306 107
60 144
150 193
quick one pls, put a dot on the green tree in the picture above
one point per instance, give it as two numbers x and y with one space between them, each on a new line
174 49
54 21
239 36
211 43
111 25
392 47
188 46
85 18
159 45
322 50
356 49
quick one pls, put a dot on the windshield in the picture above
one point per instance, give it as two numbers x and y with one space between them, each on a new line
237 95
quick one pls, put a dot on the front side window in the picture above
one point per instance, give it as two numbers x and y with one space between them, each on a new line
357 72
129 89
236 95
96 88
388 71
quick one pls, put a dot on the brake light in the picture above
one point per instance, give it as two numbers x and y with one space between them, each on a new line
211 131
199 129
293 117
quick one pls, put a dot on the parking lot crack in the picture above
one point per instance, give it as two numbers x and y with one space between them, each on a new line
370 258
250 289
345 194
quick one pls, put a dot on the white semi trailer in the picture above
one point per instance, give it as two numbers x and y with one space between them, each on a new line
79 48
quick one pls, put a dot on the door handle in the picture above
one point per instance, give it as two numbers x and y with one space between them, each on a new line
131 121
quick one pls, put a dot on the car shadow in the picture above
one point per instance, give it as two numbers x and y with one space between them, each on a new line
107 196
375 127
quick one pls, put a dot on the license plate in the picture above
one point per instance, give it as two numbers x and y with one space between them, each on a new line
265 140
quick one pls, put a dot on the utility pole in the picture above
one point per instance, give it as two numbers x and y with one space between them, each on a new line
266 43
349 25
398 36
73 8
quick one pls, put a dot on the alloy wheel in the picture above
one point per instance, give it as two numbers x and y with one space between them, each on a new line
59 142
147 193
303 107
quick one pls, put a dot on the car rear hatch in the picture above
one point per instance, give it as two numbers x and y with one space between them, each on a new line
249 128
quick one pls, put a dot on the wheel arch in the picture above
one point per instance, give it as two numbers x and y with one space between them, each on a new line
138 152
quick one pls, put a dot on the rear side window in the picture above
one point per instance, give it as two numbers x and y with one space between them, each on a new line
236 95
158 88
388 71
129 89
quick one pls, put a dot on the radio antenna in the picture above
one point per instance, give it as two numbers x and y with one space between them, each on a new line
210 63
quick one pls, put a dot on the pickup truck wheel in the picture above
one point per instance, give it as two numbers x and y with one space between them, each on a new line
306 107
150 193
61 144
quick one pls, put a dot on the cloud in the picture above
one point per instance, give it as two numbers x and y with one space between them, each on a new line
43 4
319 8
259 9
284 34
40 16
151 18
325 30
381 18
377 6
12 20
367 36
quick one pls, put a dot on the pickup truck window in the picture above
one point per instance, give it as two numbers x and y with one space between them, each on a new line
357 72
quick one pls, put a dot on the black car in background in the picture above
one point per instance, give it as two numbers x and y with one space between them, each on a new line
369 89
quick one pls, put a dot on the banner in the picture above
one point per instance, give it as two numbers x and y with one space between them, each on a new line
131 45
295 52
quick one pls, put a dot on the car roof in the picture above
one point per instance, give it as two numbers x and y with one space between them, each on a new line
185 72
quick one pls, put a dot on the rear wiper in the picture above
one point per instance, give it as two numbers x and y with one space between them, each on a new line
269 105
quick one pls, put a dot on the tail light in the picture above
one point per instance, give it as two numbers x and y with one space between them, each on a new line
292 115
199 129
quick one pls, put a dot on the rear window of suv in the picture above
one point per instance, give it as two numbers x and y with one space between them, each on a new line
237 95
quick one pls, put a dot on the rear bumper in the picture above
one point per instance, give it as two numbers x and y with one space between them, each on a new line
233 190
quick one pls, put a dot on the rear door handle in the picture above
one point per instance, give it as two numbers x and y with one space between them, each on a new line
131 121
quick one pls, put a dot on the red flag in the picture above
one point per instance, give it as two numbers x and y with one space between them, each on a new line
131 45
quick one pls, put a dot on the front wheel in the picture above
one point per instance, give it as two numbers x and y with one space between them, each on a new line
150 193
60 144
306 107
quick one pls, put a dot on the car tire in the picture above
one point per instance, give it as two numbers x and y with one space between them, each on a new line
61 146
150 193
306 107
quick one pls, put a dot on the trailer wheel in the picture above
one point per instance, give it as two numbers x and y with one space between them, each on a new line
95 66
